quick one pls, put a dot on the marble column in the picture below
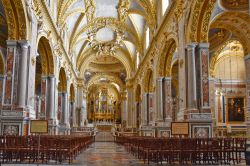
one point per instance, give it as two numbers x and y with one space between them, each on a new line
159 99
124 101
151 111
16 74
1 89
73 114
212 96
8 97
43 113
202 78
191 77
59 108
22 74
167 106
247 68
144 109
84 118
51 97
65 108
81 104
130 107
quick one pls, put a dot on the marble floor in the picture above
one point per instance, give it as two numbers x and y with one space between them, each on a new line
107 154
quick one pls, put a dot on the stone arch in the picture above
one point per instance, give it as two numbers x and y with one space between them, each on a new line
45 53
16 19
111 77
124 58
62 85
232 48
148 81
236 22
198 24
165 59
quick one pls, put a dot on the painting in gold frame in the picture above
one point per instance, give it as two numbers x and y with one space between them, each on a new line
235 109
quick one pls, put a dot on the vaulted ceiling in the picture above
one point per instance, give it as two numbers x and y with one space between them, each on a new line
105 35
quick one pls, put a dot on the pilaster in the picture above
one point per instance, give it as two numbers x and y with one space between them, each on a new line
124 113
11 62
202 68
130 120
167 106
44 108
247 68
159 99
15 88
1 89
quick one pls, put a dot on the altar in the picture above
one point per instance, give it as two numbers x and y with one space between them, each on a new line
103 108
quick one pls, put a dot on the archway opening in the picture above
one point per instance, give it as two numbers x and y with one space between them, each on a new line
148 88
230 84
62 97
44 69
175 90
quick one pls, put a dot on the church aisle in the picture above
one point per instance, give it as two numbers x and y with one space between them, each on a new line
107 154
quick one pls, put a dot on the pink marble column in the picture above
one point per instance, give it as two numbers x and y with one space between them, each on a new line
9 79
59 108
167 114
16 74
159 99
1 89
202 68
247 64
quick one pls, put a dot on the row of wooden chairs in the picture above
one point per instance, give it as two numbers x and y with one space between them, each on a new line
186 150
23 149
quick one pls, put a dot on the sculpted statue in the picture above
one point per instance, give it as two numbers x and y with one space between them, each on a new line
29 9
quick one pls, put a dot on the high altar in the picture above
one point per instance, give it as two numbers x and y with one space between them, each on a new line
104 107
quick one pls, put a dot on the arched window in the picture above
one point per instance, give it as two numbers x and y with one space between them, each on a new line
147 37
165 4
